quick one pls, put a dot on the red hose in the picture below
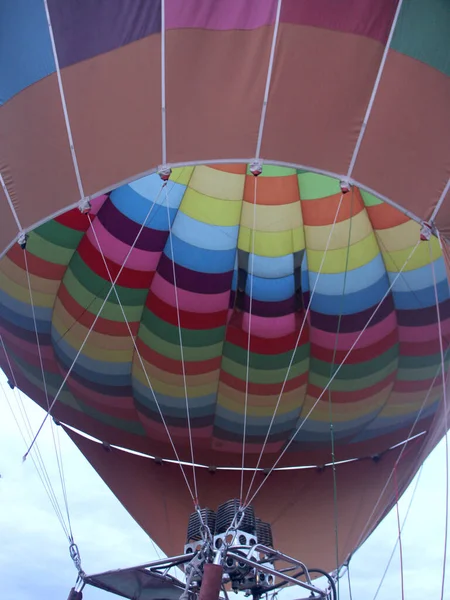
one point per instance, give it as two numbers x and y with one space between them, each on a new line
211 582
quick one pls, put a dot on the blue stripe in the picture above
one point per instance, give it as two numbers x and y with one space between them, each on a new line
24 322
149 187
357 279
350 303
25 46
136 208
204 235
199 259
271 290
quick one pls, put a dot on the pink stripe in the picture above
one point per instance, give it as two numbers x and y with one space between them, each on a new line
190 301
116 250
372 335
269 327
425 333
97 203
220 14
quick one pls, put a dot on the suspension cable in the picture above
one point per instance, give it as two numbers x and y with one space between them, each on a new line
325 389
330 403
58 455
90 329
444 398
249 333
401 530
399 533
291 362
136 349
183 365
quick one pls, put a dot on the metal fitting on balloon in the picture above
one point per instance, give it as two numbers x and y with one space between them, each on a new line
345 186
84 206
256 167
425 231
164 173
22 239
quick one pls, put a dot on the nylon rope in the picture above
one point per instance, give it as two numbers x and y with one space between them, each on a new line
405 445
144 370
324 391
58 454
401 530
183 365
249 334
350 595
37 461
305 317
90 330
444 398
330 404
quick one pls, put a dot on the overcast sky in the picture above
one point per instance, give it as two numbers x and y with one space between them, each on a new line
34 559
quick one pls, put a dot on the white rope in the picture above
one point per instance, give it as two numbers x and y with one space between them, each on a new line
437 208
163 84
136 349
268 80
410 437
90 330
251 268
374 91
64 104
330 381
444 399
11 205
180 337
291 362
58 455
398 536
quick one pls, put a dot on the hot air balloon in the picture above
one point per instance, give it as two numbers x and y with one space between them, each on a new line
224 266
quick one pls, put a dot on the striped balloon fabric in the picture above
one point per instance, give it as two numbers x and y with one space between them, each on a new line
244 297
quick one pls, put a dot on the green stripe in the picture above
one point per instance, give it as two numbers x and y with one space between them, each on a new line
49 252
264 361
93 303
313 186
423 32
191 337
59 234
100 287
358 370
352 385
191 353
370 199
263 376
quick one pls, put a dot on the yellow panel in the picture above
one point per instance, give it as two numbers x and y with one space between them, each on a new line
19 276
272 218
335 260
181 175
401 237
21 293
394 261
171 390
317 237
272 244
211 210
217 184
343 413
259 410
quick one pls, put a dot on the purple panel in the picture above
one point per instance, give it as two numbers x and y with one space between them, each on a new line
84 29
219 14
371 18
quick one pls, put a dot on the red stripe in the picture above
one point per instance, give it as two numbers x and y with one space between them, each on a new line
268 346
129 278
174 366
74 219
263 389
188 320
358 355
86 318
349 397
36 266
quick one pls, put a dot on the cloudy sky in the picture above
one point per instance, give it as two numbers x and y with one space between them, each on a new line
34 559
